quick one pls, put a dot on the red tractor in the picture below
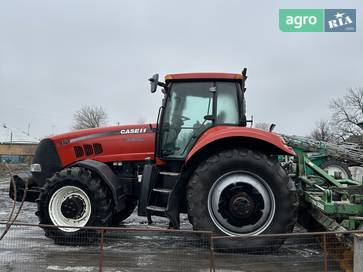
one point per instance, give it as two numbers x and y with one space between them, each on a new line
199 158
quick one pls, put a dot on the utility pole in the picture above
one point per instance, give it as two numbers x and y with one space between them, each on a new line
11 133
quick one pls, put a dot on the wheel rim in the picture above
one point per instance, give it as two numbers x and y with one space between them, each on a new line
241 203
332 169
69 206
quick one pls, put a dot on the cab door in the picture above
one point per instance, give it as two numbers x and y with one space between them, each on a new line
184 117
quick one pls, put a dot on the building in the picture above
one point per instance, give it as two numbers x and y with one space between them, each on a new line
16 147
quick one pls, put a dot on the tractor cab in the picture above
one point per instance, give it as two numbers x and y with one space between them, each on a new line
192 104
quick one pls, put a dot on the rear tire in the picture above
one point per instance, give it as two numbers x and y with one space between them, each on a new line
77 198
240 192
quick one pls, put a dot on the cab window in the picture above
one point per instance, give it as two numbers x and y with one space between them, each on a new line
227 104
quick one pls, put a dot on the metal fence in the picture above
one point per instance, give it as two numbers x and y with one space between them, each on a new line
26 248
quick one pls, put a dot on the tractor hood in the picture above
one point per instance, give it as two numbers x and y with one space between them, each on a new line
108 144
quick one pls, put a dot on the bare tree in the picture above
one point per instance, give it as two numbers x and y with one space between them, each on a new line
348 113
89 117
323 132
264 126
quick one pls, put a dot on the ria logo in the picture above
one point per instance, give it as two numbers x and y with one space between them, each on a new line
340 20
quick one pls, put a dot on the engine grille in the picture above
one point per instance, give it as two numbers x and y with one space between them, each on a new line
78 151
97 148
47 156
87 150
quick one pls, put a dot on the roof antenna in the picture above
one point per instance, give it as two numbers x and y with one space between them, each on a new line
244 73
272 126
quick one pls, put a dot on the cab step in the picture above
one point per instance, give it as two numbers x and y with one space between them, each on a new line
162 190
164 173
158 196
156 208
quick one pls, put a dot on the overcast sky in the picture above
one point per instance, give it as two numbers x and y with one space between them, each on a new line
56 56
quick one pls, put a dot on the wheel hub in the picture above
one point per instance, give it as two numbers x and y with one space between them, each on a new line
241 205
336 171
69 206
73 207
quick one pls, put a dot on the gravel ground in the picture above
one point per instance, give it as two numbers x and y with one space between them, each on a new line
27 249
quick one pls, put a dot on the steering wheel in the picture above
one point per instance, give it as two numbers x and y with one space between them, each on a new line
182 117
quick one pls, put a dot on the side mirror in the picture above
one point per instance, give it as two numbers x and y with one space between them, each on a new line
154 83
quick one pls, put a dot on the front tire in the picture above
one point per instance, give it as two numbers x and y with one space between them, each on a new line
74 197
118 217
240 192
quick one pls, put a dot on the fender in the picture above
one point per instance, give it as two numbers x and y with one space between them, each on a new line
223 132
111 180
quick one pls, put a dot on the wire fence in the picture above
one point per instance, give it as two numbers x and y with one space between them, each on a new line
288 252
26 248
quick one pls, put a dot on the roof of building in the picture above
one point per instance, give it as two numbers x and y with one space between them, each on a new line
15 136
203 76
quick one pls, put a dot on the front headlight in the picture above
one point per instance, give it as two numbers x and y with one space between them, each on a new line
35 167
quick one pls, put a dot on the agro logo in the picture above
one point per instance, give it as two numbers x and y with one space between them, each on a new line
301 20
133 131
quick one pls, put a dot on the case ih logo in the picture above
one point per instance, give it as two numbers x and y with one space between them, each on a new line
133 131
337 20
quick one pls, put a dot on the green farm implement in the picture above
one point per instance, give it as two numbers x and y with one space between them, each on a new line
329 200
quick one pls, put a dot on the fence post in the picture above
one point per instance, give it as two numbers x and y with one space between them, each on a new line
101 251
358 249
325 254
211 254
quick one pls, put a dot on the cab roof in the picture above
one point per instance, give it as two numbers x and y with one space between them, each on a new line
186 76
